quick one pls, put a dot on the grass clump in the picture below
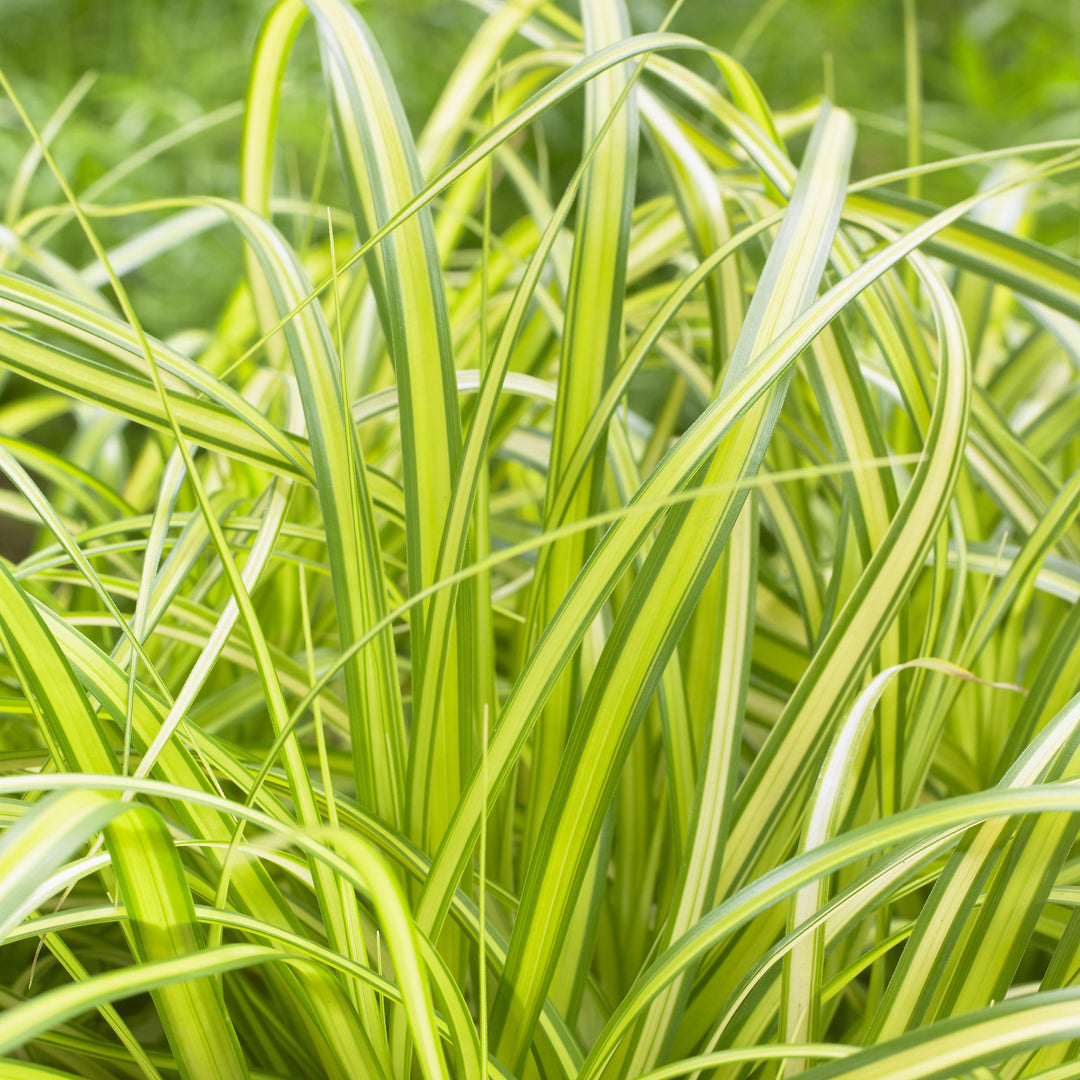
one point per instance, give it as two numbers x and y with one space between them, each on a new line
617 628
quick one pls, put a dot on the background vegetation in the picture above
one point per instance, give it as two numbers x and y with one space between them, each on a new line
995 73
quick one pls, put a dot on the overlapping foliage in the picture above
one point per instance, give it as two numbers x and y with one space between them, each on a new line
615 630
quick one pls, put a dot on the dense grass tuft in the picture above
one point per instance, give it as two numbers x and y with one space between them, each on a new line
615 628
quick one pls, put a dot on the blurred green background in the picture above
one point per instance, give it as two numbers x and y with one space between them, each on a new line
995 73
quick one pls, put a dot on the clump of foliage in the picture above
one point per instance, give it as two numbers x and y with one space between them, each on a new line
618 628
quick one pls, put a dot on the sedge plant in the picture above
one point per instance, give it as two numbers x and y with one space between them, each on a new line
612 625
